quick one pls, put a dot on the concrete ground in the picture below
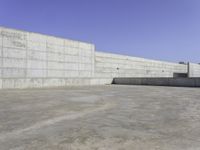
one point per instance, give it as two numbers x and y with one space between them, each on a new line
100 118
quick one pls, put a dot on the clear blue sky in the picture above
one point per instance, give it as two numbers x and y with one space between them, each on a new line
156 29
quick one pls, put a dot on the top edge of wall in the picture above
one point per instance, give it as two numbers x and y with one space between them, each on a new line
49 35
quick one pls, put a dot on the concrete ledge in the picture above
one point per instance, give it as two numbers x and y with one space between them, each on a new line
183 82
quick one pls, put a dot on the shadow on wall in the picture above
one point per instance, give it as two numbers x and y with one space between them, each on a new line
179 82
180 75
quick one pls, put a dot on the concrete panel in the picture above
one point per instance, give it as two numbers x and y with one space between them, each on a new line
36 64
85 67
56 73
14 63
56 65
71 66
71 51
77 82
55 57
36 83
84 74
85 46
13 73
14 38
85 59
70 59
14 53
53 82
193 70
8 83
21 83
54 41
12 43
71 43
55 48
71 74
36 55
37 38
36 46
13 34
36 73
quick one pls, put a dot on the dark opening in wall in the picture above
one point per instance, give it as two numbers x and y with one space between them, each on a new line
180 75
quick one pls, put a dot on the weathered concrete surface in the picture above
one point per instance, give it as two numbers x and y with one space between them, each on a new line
30 60
193 70
100 118
113 65
183 82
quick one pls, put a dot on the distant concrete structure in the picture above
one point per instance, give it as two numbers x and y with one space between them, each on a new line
29 60
193 70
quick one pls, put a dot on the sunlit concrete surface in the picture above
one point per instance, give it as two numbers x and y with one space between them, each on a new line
100 118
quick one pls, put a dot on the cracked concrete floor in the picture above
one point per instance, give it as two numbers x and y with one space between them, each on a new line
100 118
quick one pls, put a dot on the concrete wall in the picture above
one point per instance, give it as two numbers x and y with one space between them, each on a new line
193 70
35 60
112 65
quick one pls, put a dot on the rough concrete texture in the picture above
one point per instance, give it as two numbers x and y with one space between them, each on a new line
112 65
27 56
34 60
100 118
193 70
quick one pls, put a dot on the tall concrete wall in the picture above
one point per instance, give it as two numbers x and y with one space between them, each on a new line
35 60
112 65
193 70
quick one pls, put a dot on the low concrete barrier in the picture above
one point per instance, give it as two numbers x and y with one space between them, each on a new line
183 82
